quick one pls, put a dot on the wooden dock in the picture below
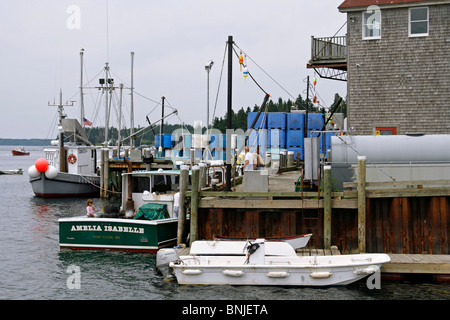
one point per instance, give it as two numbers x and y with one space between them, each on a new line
418 264
408 220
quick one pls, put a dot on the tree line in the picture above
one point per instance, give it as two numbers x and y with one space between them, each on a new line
239 121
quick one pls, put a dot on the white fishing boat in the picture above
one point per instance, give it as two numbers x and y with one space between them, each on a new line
265 263
68 168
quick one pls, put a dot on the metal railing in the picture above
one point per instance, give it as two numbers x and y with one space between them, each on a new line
329 49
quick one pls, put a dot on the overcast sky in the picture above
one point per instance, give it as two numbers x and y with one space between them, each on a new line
173 40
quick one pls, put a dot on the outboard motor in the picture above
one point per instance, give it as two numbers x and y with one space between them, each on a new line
256 252
163 258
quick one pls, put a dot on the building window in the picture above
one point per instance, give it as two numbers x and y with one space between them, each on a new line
418 22
371 20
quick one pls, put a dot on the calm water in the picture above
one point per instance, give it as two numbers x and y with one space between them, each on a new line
33 267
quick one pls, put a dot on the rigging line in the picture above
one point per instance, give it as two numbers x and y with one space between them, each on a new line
331 37
169 105
266 73
153 109
141 95
237 55
220 80
52 126
313 90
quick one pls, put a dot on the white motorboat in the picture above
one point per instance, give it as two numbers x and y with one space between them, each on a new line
265 263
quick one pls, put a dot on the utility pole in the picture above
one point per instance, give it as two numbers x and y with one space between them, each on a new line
229 110
307 105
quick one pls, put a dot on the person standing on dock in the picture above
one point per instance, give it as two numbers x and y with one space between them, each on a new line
248 162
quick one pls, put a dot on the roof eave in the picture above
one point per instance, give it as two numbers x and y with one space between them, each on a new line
395 5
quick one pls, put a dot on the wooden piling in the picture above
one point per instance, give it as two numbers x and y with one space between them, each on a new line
105 173
203 175
361 204
327 207
184 181
195 180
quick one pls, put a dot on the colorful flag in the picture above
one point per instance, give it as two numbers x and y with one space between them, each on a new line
87 122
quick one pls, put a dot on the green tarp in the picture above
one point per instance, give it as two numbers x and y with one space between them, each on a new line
152 211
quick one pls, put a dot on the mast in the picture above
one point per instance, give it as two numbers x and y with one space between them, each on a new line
132 103
120 120
81 89
106 104
62 156
162 116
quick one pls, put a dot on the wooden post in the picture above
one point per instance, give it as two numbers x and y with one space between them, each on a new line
184 181
327 207
281 163
203 175
361 204
194 203
104 173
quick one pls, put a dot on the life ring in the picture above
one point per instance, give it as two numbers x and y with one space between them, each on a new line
72 158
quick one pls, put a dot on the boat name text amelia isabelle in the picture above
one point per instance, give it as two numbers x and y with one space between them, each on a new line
107 228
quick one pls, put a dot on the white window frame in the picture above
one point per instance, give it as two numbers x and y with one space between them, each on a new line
364 29
428 23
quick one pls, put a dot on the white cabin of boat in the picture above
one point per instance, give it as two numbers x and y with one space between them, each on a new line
157 186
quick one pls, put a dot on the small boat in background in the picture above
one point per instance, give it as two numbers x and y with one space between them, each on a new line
20 152
16 171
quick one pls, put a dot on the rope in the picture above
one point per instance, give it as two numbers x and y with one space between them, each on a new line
266 73
237 55
220 80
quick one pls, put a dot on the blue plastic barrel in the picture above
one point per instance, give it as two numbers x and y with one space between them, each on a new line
276 120
261 123
295 121
276 138
294 138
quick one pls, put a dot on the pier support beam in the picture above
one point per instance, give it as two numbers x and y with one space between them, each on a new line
195 180
361 204
184 181
327 207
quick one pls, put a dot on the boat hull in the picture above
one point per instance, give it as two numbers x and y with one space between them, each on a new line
82 233
66 185
280 271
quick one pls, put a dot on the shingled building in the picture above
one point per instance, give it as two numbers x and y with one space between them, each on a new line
397 66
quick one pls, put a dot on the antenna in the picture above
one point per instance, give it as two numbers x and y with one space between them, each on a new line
107 30
61 106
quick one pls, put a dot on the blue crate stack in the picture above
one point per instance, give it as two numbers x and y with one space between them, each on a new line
295 133
276 133
258 136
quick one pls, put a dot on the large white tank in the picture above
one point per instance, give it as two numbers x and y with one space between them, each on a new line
390 149
387 157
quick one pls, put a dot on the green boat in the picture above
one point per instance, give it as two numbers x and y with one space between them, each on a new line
148 232
148 227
